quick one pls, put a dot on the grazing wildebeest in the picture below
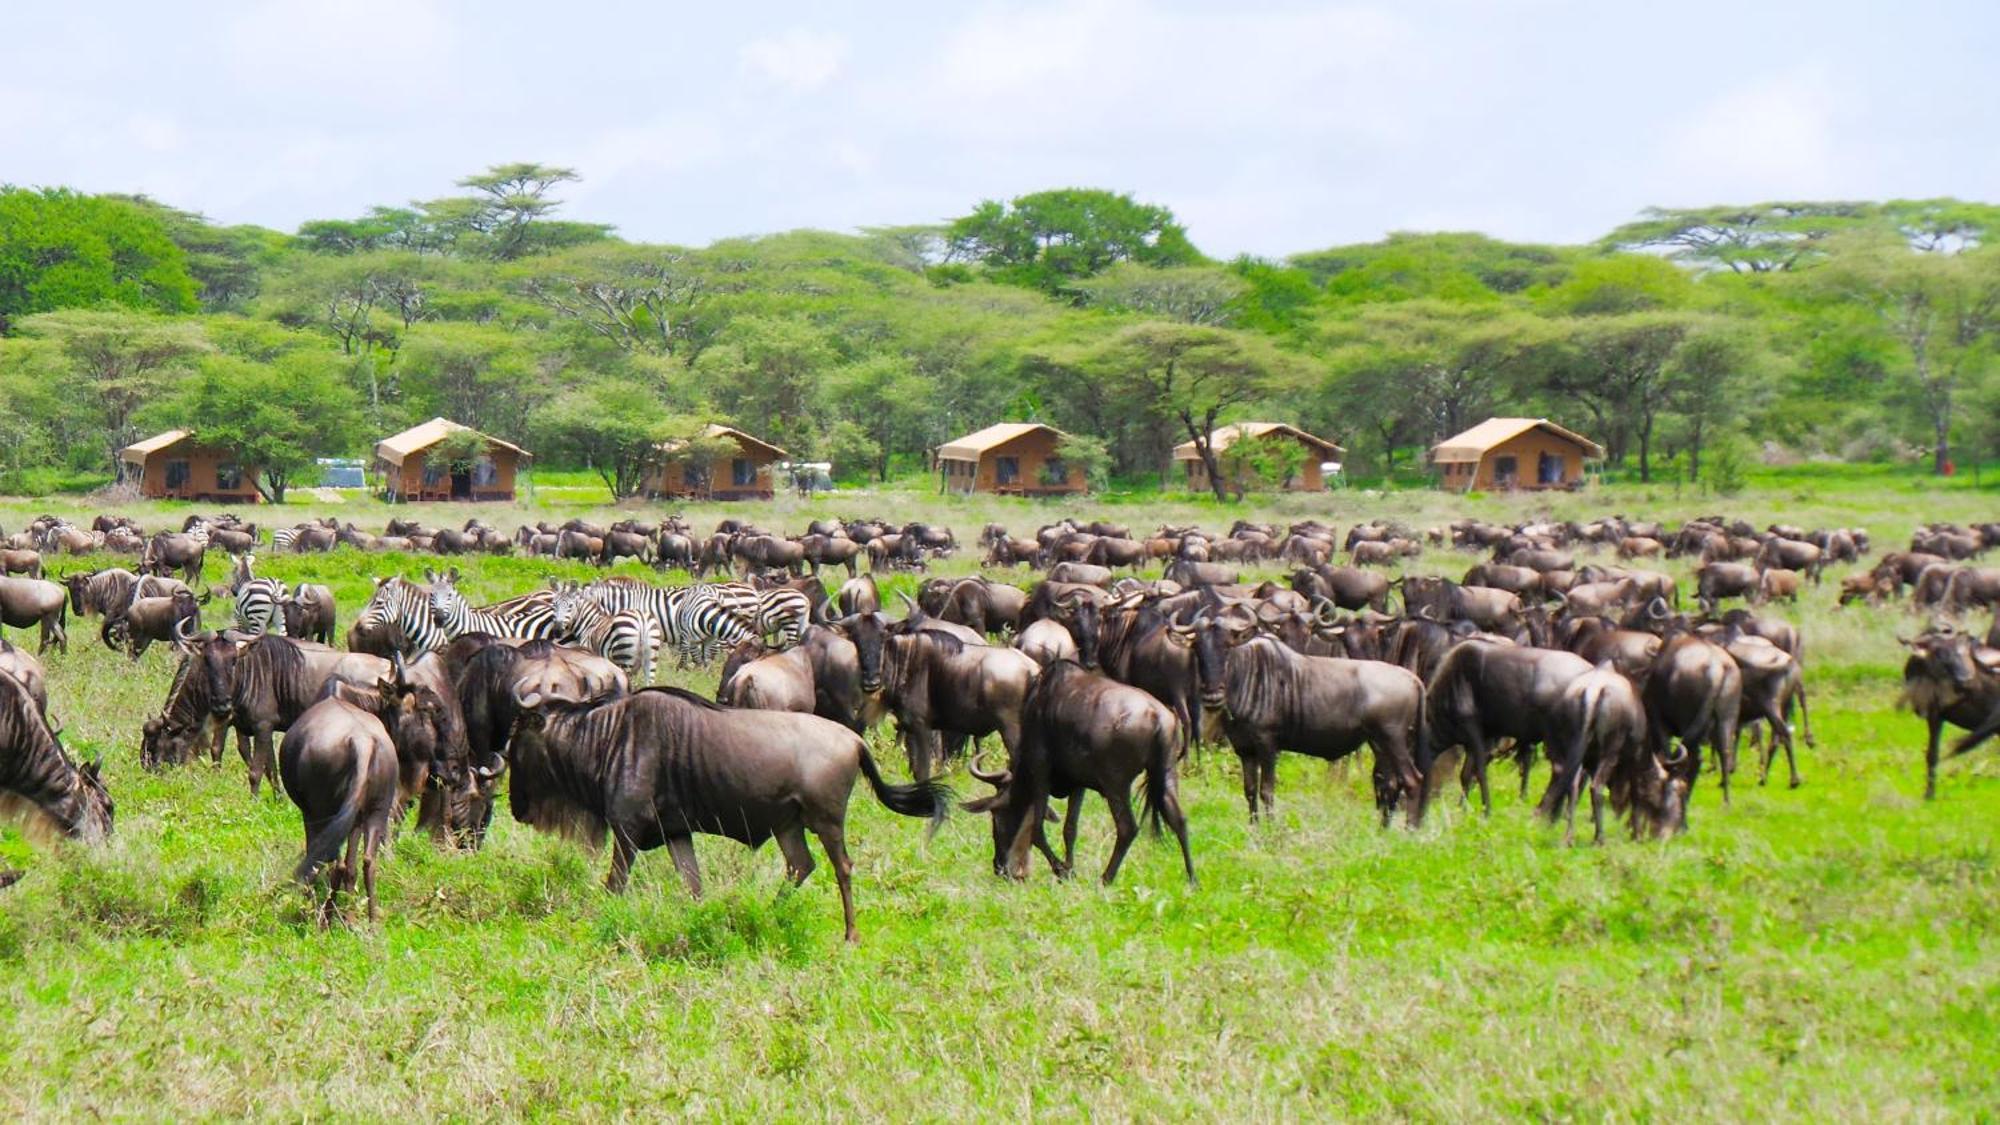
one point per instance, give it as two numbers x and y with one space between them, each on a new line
21 664
1693 694
937 684
339 767
1274 699
1776 584
1600 728
170 551
1082 731
309 613
831 550
1945 680
21 562
1347 587
26 602
37 775
1718 580
1485 691
1792 554
982 606
258 687
1772 683
169 620
655 767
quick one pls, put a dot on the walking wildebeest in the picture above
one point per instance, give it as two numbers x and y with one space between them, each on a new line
655 767
1945 680
26 602
339 767
1082 731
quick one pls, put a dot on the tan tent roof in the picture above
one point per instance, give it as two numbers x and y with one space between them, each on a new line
971 446
138 451
1226 436
395 448
715 430
1473 443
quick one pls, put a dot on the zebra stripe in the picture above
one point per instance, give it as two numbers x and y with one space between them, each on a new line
626 637
695 620
524 618
257 610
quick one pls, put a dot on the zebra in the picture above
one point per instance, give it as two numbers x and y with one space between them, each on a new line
285 539
257 610
693 619
628 638
530 618
407 606
779 612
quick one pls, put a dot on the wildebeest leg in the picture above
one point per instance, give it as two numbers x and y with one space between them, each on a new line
1070 822
1931 755
266 764
798 857
833 839
1128 829
682 849
1805 719
1170 811
1572 785
1524 756
1267 780
621 861
1247 758
369 847
1477 754
1598 782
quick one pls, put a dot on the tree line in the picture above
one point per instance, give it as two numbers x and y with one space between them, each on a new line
1852 330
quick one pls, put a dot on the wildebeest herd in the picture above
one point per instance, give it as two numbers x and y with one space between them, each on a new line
1092 678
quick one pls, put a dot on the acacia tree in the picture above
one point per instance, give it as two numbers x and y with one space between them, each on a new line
61 249
1943 313
1193 375
279 417
118 361
1051 238
616 426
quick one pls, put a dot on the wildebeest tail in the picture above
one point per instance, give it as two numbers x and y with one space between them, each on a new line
928 799
1160 771
323 846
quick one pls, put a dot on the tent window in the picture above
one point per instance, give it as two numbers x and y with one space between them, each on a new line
485 472
179 473
1006 470
228 476
742 472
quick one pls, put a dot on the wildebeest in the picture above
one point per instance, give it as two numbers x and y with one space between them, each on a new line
170 620
26 602
655 767
38 777
170 551
831 550
1718 580
1599 733
982 606
1047 641
21 562
1694 695
1485 691
1772 683
1274 699
1347 587
937 684
21 664
821 675
859 595
309 612
339 767
1945 680
1082 731
257 687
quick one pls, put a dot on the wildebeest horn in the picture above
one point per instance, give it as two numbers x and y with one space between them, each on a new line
997 780
1325 611
1426 613
488 773
530 700
1657 609
1677 754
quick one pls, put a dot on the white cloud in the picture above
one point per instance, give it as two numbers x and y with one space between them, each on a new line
799 59
1774 137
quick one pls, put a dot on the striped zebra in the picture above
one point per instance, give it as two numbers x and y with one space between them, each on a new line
779 612
406 605
628 638
692 619
257 609
531 617
285 539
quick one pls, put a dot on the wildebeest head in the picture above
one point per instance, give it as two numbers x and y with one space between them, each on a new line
216 655
1941 655
1013 827
866 631
1212 635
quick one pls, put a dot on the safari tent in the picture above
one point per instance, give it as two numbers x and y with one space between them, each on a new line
1009 458
1506 454
747 475
409 473
1309 477
176 465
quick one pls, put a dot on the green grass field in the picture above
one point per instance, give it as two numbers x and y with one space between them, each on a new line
1828 952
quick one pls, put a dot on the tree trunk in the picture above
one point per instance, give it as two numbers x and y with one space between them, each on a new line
1941 455
1646 450
1694 453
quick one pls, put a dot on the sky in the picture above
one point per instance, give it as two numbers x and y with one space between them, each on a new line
1268 128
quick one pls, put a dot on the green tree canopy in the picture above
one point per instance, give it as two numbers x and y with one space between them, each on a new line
280 416
1049 239
60 249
